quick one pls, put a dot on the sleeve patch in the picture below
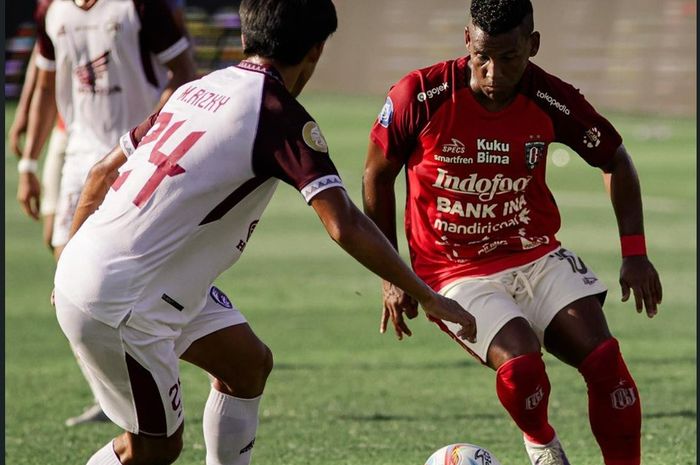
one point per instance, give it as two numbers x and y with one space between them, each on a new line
313 137
387 113
320 185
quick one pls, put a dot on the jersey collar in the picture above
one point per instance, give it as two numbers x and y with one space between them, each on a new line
266 69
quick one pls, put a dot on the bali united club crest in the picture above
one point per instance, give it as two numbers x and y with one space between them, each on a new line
534 152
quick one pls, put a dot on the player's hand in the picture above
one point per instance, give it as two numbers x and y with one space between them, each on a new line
18 128
396 304
443 308
639 276
28 194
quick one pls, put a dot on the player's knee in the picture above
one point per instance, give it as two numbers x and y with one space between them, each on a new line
248 380
261 366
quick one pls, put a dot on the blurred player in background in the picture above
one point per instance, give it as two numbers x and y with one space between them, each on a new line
53 163
178 202
103 65
472 135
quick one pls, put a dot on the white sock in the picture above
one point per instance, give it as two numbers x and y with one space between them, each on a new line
230 424
105 456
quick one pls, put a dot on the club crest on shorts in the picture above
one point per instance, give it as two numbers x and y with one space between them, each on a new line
534 152
219 297
313 137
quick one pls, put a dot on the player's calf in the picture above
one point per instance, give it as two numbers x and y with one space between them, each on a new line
523 388
136 449
613 404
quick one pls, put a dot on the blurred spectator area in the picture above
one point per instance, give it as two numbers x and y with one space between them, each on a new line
214 26
633 56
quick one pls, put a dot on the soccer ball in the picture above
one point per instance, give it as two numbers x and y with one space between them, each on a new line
462 454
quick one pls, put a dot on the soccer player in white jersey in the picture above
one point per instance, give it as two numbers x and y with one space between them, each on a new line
171 208
104 64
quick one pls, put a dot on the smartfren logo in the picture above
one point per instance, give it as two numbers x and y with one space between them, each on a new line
553 102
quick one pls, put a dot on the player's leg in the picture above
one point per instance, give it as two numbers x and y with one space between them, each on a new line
507 344
70 186
135 377
577 333
579 336
50 181
223 344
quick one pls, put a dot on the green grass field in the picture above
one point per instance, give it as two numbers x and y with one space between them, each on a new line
341 393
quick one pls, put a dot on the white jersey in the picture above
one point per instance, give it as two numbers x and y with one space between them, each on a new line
190 196
109 66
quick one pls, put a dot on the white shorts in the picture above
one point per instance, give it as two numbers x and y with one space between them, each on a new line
51 171
135 375
73 176
536 291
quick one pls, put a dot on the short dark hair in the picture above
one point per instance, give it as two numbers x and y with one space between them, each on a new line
499 16
285 30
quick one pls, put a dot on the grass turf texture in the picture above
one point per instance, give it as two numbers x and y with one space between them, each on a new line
340 392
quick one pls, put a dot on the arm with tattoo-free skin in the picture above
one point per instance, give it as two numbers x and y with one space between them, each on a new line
380 206
637 273
42 116
361 238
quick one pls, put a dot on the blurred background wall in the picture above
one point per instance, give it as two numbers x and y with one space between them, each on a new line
634 56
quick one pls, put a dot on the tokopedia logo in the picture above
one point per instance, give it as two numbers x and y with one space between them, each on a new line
553 102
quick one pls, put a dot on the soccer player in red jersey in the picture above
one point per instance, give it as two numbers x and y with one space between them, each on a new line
175 205
472 135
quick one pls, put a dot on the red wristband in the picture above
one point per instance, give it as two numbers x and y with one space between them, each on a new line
633 245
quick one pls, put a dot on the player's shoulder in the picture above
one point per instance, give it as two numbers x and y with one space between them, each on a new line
547 89
437 77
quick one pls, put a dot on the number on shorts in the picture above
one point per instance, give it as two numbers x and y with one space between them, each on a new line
174 393
577 265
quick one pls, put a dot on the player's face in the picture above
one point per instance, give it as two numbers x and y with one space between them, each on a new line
499 61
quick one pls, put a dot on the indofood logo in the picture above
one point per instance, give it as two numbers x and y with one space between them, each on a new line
553 102
485 188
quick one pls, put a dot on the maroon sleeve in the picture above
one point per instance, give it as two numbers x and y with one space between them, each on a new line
138 133
576 123
289 144
401 119
158 28
44 44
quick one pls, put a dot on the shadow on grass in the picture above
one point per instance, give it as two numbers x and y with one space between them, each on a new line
467 363
680 414
379 417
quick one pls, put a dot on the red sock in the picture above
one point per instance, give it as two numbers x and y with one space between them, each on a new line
523 389
613 405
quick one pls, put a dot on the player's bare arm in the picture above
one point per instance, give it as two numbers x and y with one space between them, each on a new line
42 115
101 176
379 204
182 70
19 124
637 273
359 237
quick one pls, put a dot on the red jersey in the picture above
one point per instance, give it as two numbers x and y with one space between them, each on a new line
477 201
